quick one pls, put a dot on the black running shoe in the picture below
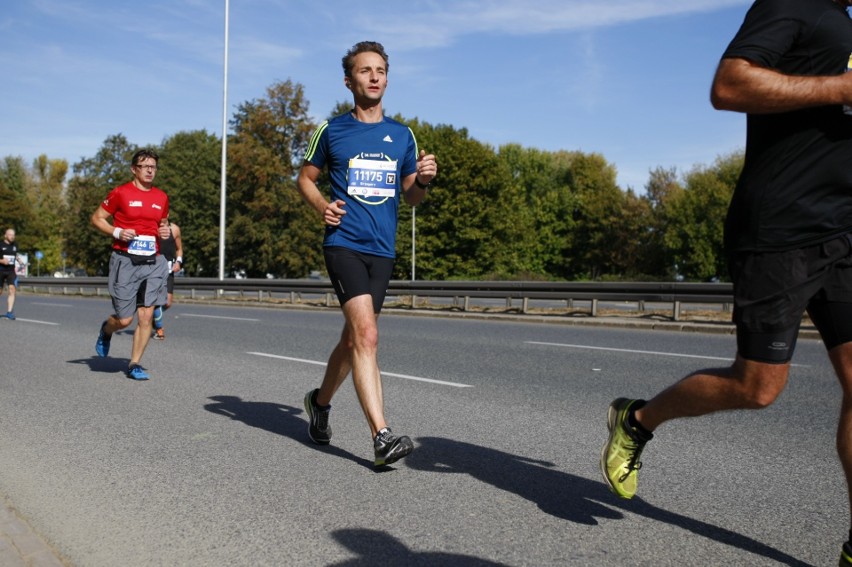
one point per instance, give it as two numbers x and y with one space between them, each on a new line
318 429
846 555
390 448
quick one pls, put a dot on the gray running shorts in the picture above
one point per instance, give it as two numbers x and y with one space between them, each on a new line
132 286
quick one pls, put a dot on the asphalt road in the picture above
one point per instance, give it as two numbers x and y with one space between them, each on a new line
209 463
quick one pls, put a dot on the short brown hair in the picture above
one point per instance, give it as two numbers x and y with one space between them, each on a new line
144 154
363 47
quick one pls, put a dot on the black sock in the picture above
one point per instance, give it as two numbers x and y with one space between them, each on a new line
634 423
314 400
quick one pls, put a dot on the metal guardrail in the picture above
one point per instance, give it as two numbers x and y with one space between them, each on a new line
677 294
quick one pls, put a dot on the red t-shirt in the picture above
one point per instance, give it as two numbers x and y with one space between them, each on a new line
138 209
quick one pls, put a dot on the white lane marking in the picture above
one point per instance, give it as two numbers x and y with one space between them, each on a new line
218 317
657 353
52 304
405 376
18 319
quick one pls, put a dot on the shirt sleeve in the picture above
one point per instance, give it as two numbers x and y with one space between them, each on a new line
112 200
317 152
409 166
768 32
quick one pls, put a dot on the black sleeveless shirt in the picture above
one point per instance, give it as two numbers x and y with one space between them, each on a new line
168 247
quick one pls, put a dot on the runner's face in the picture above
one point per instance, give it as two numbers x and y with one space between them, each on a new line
10 236
145 170
369 77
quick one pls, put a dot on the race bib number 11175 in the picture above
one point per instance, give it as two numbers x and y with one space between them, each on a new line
372 178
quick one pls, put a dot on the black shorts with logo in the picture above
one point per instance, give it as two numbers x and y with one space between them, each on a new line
353 273
772 290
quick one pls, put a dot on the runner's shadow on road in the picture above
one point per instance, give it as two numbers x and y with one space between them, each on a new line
373 547
106 365
278 419
564 495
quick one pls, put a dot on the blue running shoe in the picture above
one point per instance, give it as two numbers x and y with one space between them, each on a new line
10 315
137 372
102 346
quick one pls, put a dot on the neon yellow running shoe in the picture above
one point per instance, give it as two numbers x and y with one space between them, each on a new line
620 455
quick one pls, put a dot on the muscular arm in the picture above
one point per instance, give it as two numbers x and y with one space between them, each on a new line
100 220
427 168
178 240
307 185
743 86
178 248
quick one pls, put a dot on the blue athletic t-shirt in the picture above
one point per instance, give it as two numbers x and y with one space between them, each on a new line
366 163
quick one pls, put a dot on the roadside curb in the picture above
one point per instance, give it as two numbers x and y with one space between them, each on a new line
650 324
644 322
20 545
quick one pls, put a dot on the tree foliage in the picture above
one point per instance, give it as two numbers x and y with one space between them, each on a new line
695 219
190 173
47 200
269 225
15 210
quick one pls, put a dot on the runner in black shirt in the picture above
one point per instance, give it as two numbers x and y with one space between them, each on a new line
788 229
172 249
8 276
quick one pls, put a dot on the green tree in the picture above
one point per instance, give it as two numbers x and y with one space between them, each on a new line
599 205
458 219
695 218
190 172
270 230
543 178
47 199
662 189
15 208
632 233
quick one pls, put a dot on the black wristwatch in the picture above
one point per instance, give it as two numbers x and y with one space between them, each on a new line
417 182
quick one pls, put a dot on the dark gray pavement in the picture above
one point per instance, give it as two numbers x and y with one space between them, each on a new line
240 474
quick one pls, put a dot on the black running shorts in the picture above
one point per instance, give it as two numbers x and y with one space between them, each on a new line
772 290
353 273
8 277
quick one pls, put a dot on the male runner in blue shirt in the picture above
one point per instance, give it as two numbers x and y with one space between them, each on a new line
372 162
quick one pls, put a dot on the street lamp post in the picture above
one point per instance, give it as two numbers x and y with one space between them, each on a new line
223 174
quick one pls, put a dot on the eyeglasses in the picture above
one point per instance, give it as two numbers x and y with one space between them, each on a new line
148 167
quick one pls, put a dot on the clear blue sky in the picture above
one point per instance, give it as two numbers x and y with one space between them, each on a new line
628 79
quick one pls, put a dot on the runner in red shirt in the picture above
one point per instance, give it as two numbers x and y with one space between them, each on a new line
137 271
